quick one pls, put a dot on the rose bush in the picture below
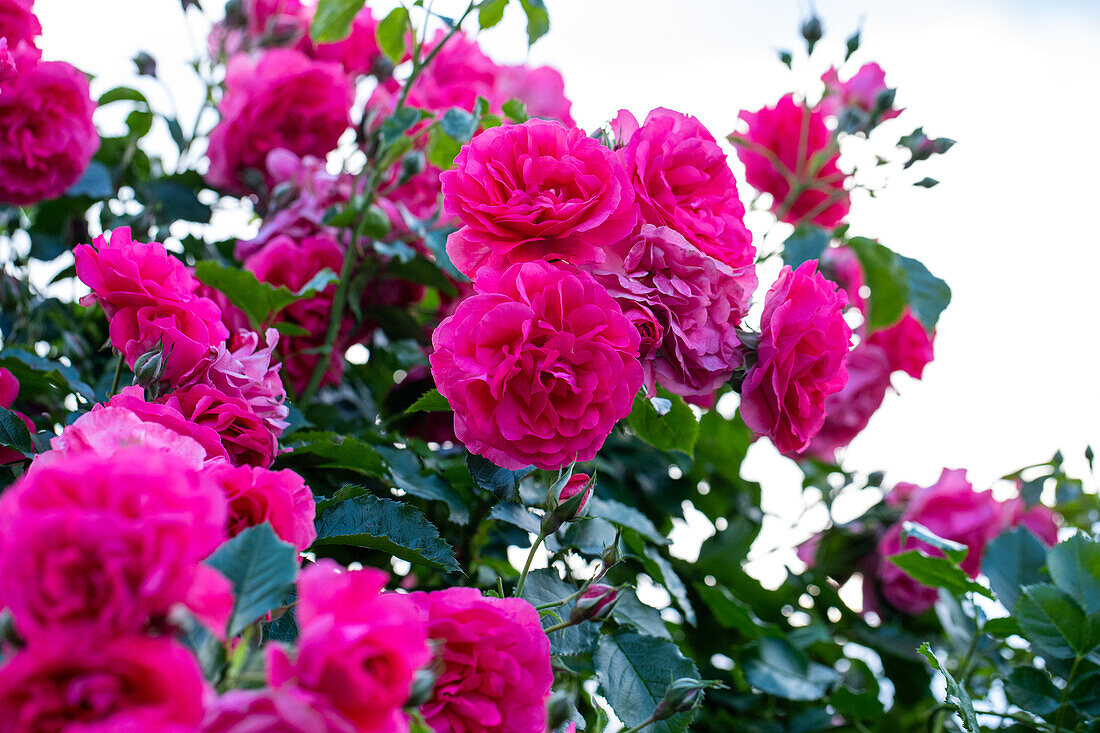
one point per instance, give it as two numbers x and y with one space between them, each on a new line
393 400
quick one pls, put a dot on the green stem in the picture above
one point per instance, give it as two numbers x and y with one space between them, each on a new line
418 65
1065 694
527 565
559 627
641 725
118 376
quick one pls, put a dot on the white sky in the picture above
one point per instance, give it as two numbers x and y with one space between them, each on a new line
1010 227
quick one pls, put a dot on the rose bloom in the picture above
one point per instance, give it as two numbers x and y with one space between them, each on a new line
121 272
776 133
535 191
950 508
842 266
280 100
1041 520
133 399
848 411
860 92
105 430
800 359
186 333
293 263
242 369
682 181
94 547
18 23
907 345
686 304
9 390
131 684
245 436
285 710
257 495
46 116
540 88
358 647
495 660
8 69
538 366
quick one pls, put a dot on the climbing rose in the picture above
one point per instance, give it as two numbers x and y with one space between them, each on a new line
244 435
1042 522
848 411
8 69
257 495
133 399
48 137
776 158
540 88
244 370
285 710
495 671
280 100
686 303
9 390
861 92
535 191
185 333
800 360
907 344
131 684
842 266
358 647
121 272
95 547
682 181
538 366
107 429
18 22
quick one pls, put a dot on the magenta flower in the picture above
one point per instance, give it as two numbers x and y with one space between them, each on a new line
19 23
861 92
848 411
907 344
244 370
539 365
283 710
247 439
257 495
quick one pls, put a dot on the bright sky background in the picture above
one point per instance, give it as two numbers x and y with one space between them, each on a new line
1011 227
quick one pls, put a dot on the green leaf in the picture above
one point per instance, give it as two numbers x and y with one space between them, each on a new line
662 571
499 482
729 611
779 669
928 295
390 34
517 515
544 586
14 433
39 374
395 126
1074 567
926 182
1050 617
332 20
1085 694
805 243
938 572
291 329
1011 561
626 517
259 300
954 551
262 569
430 401
458 124
675 429
174 200
94 183
332 450
887 280
1032 690
388 526
538 20
489 12
1002 628
119 94
962 699
646 619
635 671
405 471
442 148
515 110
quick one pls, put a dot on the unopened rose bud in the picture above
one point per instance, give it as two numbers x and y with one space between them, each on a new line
682 695
570 504
812 32
596 603
612 554
149 367
422 688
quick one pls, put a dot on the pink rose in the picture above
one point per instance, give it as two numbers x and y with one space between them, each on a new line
684 302
107 429
8 69
907 345
280 100
459 74
186 333
133 399
9 390
788 152
18 22
94 547
682 181
285 710
952 509
244 370
245 436
536 191
540 88
848 411
272 20
257 495
358 648
46 115
495 659
800 360
539 365
121 272
577 483
842 266
1042 522
292 264
863 92
131 684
